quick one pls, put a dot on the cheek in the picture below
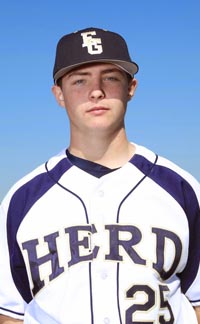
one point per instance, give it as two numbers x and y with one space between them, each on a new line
70 103
118 105
120 93
74 98
74 107
119 101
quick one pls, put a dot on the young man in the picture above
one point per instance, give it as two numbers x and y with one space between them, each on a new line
106 231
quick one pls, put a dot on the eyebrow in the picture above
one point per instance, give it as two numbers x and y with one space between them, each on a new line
77 73
85 73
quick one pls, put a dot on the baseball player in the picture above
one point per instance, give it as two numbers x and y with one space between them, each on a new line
107 231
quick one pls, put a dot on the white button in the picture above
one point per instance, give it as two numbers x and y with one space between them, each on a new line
104 275
106 320
101 193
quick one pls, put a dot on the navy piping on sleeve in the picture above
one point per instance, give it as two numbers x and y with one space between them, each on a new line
23 199
10 311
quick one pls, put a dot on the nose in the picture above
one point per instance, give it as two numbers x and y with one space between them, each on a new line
97 91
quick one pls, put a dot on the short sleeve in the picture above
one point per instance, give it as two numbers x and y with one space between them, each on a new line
11 302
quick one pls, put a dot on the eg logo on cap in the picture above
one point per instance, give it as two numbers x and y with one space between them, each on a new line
94 45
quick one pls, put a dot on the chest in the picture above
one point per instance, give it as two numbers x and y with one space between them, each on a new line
118 219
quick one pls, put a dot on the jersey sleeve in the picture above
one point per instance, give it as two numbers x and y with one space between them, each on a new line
191 274
190 277
11 302
186 191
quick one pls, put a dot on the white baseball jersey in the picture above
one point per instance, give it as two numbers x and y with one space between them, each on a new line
121 247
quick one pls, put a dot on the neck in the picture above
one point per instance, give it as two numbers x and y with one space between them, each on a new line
111 151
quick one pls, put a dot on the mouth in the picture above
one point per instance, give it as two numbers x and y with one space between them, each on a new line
98 110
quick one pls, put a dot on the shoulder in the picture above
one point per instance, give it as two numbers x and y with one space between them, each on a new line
164 162
33 176
165 173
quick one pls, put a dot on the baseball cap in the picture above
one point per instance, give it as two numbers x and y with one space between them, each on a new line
92 45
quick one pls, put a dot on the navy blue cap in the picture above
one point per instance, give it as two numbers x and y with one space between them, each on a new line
92 45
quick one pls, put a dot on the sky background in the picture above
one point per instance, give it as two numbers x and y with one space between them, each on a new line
163 38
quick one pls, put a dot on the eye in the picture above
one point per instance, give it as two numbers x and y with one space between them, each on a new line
79 82
111 78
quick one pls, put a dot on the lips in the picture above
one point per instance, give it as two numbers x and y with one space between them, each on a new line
98 109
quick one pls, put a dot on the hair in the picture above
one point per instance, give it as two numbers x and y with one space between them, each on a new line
59 82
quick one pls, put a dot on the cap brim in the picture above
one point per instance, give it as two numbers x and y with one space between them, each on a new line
129 67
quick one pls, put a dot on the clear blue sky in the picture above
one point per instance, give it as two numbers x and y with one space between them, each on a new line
163 38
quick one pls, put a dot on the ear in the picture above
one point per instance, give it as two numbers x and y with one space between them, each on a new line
57 91
132 87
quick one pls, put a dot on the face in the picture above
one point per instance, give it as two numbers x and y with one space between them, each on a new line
95 97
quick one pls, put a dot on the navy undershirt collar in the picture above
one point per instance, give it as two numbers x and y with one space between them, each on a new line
95 169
